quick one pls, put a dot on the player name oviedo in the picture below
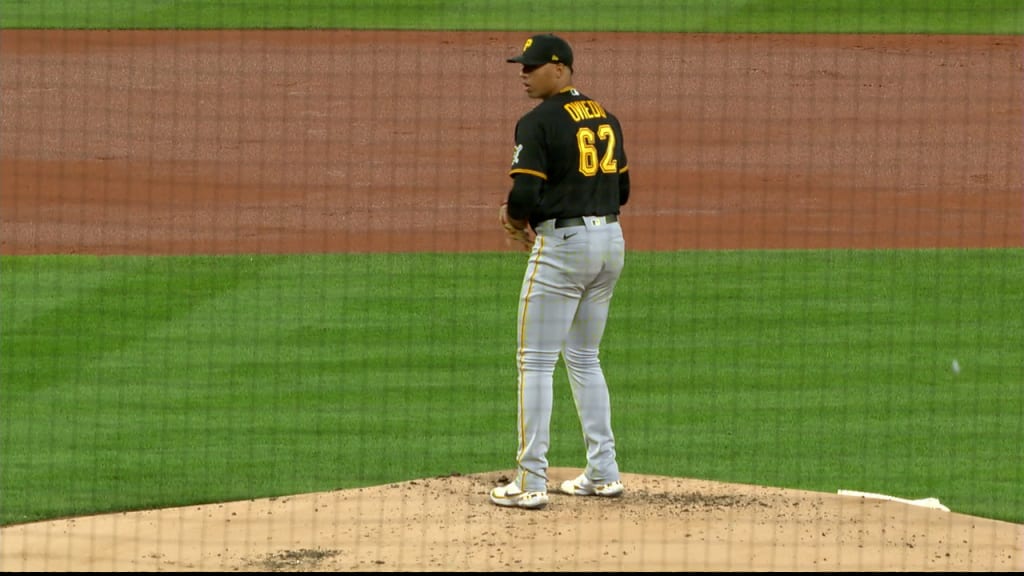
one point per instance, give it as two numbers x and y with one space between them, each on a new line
581 110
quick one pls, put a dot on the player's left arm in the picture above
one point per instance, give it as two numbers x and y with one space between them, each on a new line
623 186
623 163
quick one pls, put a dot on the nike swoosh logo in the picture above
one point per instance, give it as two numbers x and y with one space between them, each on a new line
567 236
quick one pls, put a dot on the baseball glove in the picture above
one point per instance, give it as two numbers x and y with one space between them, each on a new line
516 231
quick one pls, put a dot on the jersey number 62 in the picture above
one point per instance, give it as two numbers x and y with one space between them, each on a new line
587 141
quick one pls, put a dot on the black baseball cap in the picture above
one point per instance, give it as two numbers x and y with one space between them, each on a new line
544 48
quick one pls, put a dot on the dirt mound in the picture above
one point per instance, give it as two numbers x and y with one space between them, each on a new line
447 523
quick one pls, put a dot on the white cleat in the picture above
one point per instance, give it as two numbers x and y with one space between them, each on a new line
582 486
512 496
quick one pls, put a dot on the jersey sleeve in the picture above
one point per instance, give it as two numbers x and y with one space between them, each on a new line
622 161
529 156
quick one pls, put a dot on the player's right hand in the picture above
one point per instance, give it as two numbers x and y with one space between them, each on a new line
516 231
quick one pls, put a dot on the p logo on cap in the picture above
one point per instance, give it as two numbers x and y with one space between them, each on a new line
540 49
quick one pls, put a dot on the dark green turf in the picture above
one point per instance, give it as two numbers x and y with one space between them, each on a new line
799 16
137 382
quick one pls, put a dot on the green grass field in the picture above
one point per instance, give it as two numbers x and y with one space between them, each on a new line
130 383
842 16
137 382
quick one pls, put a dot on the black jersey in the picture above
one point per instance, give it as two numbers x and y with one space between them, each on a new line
576 148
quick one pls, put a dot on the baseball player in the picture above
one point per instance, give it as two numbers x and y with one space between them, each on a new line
570 177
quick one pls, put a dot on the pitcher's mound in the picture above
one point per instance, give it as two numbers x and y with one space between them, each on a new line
448 524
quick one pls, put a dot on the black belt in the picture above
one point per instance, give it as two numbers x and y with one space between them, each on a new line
567 222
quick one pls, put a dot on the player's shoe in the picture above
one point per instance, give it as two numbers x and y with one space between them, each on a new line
511 495
582 486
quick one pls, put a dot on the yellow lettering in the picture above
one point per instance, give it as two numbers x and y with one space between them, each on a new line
584 110
570 107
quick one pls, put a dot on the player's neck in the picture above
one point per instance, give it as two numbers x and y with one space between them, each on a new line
562 90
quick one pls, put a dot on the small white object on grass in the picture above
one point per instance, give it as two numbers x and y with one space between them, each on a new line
956 367
932 503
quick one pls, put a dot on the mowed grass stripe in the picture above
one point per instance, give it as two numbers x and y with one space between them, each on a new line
239 376
753 16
